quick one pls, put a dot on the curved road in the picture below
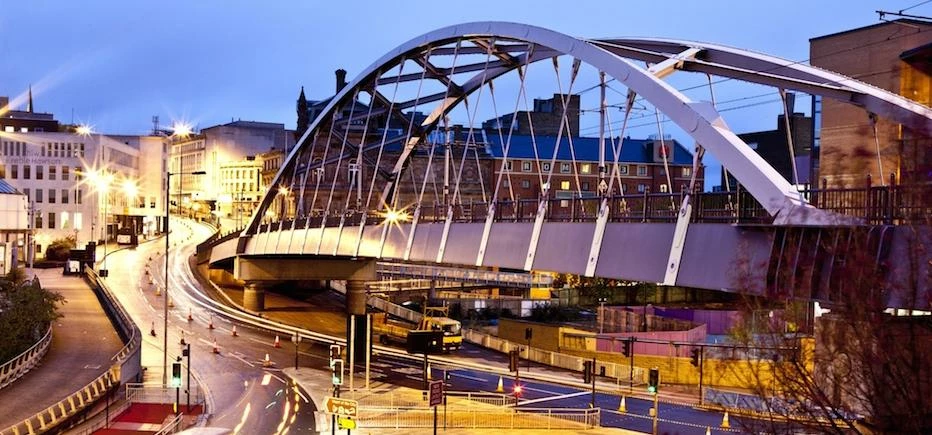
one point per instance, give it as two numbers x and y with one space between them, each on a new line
83 341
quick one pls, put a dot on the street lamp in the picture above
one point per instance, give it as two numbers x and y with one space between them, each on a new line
168 180
102 182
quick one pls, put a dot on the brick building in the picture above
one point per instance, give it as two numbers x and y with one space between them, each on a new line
892 55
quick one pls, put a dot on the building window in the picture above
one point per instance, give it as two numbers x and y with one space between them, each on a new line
38 219
151 202
27 172
51 198
77 174
526 166
79 197
565 168
507 166
585 186
642 188
623 169
40 172
642 171
663 188
64 173
2 171
64 196
52 172
585 168
546 167
526 184
38 195
14 173
687 171
51 220
565 185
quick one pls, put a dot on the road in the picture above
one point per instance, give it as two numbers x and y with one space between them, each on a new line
83 341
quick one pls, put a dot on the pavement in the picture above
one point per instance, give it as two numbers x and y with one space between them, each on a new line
83 341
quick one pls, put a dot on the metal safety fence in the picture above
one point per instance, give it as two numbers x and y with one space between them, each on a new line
22 363
478 418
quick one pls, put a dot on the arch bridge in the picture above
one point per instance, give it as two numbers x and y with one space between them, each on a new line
383 174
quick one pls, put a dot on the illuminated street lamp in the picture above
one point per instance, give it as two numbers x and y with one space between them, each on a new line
84 130
101 181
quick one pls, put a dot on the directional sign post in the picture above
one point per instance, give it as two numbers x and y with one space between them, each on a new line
341 407
435 397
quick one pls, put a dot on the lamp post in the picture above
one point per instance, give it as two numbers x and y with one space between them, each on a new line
168 179
103 185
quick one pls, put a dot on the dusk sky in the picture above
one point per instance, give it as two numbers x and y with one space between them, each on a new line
115 64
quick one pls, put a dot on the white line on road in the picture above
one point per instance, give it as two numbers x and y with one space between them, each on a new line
547 399
472 378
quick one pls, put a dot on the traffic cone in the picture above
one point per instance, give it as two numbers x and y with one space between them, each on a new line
234 331
725 424
152 330
182 338
190 317
278 343
500 388
171 303
621 405
158 291
216 347
211 324
708 430
267 362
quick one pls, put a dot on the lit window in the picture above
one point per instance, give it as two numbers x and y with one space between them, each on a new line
546 167
585 168
642 171
663 188
623 169
565 185
687 171
642 188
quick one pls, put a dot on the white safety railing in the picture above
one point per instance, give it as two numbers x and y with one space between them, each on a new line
173 426
156 393
22 363
479 418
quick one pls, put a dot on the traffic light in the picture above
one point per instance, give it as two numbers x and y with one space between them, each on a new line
653 380
587 371
528 334
518 390
626 348
334 353
513 360
176 374
336 371
694 357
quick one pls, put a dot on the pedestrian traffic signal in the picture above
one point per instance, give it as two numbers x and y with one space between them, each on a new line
626 348
588 369
653 380
336 371
176 374
513 360
334 353
518 390
694 357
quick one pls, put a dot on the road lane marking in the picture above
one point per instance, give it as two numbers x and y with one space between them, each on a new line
266 379
560 397
472 378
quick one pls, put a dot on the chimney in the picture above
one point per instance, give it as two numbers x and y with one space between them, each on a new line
341 79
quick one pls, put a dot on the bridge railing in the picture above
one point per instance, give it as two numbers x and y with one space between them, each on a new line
22 363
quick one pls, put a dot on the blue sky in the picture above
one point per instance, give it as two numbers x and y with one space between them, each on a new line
115 64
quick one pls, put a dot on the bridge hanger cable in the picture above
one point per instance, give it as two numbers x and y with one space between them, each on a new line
506 143
299 203
618 148
872 117
309 208
729 206
501 140
530 123
789 135
391 107
470 137
663 154
410 132
569 136
336 172
355 178
556 148
447 139
430 156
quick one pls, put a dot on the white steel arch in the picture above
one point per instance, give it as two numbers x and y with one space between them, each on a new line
698 118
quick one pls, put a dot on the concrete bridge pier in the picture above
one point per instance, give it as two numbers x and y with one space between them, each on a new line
355 296
254 295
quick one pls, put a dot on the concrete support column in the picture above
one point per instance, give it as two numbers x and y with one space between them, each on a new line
355 296
254 296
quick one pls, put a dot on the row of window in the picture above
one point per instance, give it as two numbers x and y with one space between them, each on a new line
586 168
40 172
51 149
51 222
39 197
586 186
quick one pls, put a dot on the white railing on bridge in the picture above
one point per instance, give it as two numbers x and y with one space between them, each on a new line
480 418
517 279
22 363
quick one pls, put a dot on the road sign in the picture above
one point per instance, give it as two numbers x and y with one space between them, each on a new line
341 407
346 423
436 393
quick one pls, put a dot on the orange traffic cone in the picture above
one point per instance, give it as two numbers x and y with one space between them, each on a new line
158 290
190 316
216 347
278 343
725 424
152 330
171 303
267 362
621 405
211 324
234 331
500 388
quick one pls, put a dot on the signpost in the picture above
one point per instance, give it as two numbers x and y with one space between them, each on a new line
435 397
343 411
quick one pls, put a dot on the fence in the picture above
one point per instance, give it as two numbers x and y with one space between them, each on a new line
156 393
22 363
391 398
479 418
